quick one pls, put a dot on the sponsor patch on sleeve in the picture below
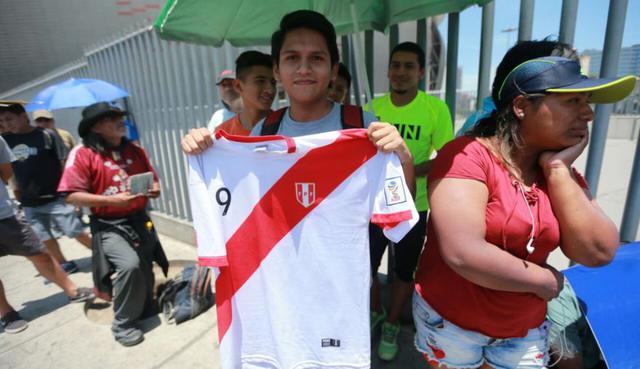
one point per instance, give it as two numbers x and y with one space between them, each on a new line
394 191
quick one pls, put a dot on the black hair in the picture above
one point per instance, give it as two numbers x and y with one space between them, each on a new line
308 19
527 50
16 109
410 47
343 72
249 59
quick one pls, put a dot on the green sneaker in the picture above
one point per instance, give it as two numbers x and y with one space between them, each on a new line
388 348
377 318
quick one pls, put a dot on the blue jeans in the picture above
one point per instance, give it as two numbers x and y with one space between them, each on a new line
445 343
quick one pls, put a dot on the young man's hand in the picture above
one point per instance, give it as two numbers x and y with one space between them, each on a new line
196 141
386 138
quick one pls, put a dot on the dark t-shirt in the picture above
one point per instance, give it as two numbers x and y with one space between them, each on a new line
38 165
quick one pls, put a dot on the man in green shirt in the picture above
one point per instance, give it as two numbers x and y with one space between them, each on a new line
425 124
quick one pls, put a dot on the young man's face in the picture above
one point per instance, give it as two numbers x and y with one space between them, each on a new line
339 90
12 122
404 72
257 88
305 68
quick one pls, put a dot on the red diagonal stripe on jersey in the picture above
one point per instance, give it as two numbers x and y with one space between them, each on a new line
278 212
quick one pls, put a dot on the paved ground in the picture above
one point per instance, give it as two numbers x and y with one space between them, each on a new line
61 336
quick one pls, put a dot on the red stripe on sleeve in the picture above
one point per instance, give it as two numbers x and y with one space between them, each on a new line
214 261
388 221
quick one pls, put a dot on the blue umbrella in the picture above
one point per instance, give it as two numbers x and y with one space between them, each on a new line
612 298
74 93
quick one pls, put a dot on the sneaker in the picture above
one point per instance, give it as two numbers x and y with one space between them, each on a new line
388 348
12 322
82 295
69 267
377 318
131 338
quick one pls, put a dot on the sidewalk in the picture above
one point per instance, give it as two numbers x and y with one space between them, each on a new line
61 336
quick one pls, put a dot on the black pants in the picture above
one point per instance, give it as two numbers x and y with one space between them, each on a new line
405 253
133 285
123 246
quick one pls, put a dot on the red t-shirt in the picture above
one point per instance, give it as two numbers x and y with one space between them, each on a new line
233 126
106 174
498 314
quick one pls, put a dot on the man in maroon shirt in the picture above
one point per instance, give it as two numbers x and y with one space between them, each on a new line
97 175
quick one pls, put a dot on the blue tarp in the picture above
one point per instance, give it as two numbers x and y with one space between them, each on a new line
612 298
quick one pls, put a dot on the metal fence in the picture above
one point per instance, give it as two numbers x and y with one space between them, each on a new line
172 90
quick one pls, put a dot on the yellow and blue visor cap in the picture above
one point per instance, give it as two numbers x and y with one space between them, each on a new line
554 74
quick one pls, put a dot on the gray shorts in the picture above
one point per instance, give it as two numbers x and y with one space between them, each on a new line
18 238
42 218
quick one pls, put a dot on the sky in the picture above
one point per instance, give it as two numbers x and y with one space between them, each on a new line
591 25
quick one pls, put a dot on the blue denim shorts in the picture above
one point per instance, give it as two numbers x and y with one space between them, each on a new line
56 213
445 343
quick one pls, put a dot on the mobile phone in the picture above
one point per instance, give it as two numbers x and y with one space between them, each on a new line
140 183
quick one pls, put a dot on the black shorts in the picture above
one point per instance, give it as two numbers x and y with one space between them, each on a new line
18 238
405 253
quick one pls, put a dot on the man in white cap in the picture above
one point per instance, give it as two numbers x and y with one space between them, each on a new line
44 119
229 97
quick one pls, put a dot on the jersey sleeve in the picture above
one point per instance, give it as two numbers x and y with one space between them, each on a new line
211 245
393 208
77 172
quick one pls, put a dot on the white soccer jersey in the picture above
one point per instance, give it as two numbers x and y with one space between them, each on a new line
285 221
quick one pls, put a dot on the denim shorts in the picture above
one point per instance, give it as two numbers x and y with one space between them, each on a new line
443 342
56 213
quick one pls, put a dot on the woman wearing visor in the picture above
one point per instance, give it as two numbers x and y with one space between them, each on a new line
482 284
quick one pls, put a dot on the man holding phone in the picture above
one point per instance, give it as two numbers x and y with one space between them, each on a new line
99 174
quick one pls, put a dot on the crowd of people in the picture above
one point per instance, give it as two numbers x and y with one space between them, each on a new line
476 272
482 284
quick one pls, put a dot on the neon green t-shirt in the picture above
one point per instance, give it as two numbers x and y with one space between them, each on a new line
425 125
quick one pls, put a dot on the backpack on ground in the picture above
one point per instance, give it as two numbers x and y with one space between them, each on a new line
187 295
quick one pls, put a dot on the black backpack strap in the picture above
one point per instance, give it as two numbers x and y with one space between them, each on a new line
272 122
351 116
